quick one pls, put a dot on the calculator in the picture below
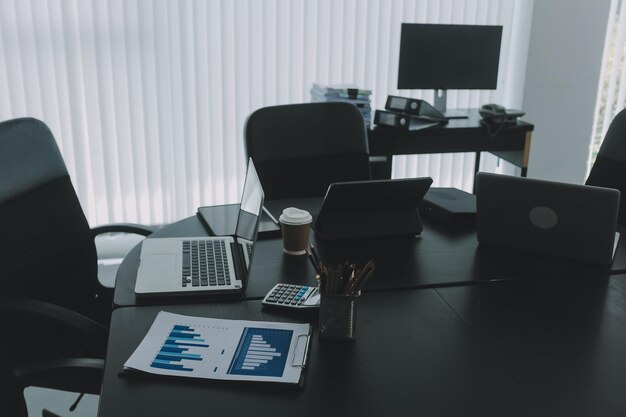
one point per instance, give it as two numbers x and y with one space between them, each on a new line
293 296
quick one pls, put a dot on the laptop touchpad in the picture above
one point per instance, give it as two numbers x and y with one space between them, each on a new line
158 264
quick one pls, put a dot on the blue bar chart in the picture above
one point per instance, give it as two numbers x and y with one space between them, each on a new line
182 348
238 350
261 352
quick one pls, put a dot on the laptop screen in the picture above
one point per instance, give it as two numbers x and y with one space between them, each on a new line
251 205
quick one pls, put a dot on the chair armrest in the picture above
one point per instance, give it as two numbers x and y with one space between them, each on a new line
71 374
49 311
138 229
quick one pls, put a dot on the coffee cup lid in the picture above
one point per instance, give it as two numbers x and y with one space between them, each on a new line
295 216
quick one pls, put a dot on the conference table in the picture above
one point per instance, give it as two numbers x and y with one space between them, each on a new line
441 256
447 327
539 347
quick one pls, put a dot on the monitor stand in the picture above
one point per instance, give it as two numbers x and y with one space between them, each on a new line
440 104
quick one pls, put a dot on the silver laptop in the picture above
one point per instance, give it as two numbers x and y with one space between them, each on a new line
553 218
204 265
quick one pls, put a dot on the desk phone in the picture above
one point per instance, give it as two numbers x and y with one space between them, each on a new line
293 296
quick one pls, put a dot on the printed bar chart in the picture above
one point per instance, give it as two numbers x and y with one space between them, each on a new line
236 350
180 347
261 352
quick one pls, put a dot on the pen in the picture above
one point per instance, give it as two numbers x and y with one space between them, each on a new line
358 287
312 260
333 280
350 280
361 277
323 278
346 277
314 252
363 271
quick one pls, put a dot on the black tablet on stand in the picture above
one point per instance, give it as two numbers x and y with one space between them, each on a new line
372 208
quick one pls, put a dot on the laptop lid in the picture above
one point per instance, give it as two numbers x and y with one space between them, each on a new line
372 208
251 207
553 218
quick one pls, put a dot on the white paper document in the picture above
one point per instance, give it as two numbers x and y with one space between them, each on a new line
241 350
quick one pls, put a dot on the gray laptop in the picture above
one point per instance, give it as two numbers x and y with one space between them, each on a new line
204 265
553 218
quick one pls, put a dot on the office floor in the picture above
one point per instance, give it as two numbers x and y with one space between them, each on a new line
59 402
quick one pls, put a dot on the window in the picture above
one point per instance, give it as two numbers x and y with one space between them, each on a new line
612 89
148 98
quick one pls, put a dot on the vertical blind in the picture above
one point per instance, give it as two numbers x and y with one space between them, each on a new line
148 98
612 89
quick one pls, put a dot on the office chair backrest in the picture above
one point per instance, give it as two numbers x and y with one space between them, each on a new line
48 252
300 149
609 169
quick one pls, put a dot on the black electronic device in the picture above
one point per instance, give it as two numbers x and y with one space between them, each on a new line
495 113
414 106
371 208
403 121
449 206
548 217
444 57
495 117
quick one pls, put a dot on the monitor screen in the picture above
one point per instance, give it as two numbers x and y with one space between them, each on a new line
444 57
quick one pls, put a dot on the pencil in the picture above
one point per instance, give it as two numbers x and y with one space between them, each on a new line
314 252
312 260
362 276
363 281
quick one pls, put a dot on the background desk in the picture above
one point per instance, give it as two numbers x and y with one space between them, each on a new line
439 257
412 356
460 135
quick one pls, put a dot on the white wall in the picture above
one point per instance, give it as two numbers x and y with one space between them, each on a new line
564 60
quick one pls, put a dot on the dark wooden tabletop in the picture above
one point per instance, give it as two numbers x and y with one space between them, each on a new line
549 347
440 256
446 328
562 339
412 356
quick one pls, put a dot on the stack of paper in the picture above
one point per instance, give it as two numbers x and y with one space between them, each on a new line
349 93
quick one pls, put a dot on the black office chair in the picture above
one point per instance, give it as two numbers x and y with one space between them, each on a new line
48 251
609 169
300 149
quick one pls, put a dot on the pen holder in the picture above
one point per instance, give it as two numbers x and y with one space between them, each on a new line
337 320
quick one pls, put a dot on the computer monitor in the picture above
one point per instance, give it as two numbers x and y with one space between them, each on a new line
444 57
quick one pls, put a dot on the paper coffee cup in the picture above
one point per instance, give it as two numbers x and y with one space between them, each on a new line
295 224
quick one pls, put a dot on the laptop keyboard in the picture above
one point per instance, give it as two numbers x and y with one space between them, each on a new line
205 263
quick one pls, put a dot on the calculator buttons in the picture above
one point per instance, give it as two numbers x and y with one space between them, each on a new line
292 296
